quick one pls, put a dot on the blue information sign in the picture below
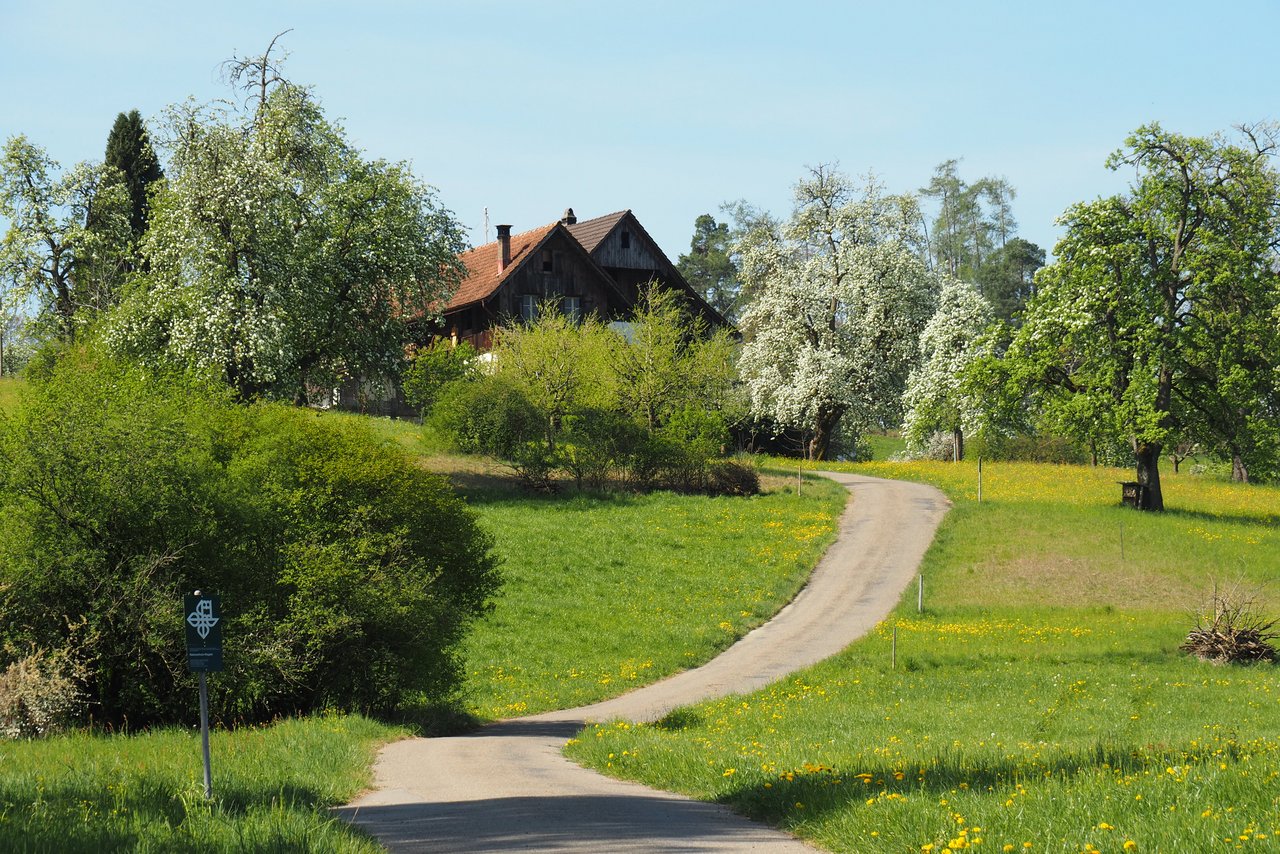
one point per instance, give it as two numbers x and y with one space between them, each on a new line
203 618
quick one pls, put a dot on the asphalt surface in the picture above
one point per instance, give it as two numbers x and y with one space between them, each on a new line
506 787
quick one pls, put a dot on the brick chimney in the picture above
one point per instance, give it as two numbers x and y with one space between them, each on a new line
504 247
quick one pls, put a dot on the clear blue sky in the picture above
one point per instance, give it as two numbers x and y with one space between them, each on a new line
670 108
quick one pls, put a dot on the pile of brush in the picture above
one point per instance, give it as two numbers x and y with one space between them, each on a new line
1232 632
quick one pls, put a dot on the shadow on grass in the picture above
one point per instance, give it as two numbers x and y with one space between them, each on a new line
1240 520
496 489
822 790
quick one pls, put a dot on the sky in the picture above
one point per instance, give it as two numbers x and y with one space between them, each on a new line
672 108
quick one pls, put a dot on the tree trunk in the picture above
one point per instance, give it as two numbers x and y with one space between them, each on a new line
1149 476
1239 472
957 445
824 428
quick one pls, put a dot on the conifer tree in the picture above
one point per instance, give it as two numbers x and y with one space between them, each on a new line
130 152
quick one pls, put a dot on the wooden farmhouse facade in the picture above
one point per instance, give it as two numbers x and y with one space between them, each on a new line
595 267
592 268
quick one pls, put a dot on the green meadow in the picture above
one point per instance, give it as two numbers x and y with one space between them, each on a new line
272 788
1039 703
606 591
603 592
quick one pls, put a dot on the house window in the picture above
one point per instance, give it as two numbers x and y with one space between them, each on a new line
626 240
528 307
546 261
573 308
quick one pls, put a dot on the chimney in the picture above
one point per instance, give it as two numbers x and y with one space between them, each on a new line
504 247
569 218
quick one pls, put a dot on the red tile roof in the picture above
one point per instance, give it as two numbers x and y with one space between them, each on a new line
483 278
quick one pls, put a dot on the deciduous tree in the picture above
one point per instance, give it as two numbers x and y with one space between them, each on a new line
280 258
843 293
1157 321
48 253
938 397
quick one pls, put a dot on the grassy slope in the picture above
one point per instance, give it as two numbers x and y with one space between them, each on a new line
1039 703
606 593
602 594
272 789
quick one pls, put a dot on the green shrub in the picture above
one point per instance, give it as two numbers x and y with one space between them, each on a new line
494 416
432 368
347 574
596 442
691 437
731 477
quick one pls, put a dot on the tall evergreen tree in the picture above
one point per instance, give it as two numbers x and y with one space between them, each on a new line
130 152
709 267
129 167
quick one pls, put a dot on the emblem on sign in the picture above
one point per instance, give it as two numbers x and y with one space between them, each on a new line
202 618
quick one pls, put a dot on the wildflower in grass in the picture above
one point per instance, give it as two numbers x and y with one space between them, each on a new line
1130 845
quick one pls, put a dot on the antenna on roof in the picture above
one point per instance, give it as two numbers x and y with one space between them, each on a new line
486 225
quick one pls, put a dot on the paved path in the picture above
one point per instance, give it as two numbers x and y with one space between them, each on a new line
506 787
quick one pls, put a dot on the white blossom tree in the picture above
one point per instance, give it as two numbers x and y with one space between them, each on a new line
48 253
843 292
937 398
279 257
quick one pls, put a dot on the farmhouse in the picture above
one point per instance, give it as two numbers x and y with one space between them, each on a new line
595 267
592 268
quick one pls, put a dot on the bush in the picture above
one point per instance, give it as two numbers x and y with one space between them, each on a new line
39 694
595 442
347 574
690 438
432 368
494 416
731 477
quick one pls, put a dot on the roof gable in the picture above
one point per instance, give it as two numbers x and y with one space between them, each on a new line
483 277
592 232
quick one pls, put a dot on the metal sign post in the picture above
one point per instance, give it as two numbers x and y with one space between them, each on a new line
203 617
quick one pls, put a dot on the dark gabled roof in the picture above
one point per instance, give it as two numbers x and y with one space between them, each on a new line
590 233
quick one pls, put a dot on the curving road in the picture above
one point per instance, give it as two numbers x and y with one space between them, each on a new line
506 787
